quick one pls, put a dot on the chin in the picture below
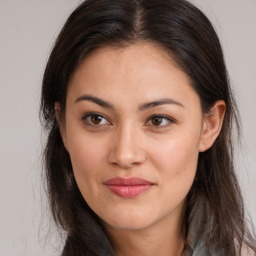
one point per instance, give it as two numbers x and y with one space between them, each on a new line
130 225
129 221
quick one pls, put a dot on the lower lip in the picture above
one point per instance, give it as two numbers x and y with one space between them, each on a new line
129 191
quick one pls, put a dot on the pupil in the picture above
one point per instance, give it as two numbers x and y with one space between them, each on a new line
96 119
157 120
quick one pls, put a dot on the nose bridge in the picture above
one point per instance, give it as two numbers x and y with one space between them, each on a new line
127 149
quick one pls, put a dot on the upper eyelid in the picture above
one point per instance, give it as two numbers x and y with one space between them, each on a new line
161 116
93 113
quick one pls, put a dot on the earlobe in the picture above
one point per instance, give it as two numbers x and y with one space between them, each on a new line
212 125
60 123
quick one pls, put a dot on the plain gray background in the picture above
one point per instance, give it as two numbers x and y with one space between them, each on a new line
27 30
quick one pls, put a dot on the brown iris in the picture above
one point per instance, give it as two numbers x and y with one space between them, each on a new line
95 119
157 121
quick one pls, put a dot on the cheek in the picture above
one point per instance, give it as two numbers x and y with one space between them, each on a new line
88 167
176 155
83 155
87 157
176 162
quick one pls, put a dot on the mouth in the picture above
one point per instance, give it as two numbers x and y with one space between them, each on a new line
129 187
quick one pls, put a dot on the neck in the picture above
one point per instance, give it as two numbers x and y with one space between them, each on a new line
147 245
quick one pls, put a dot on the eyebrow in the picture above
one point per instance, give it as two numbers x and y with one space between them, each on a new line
159 103
141 107
96 100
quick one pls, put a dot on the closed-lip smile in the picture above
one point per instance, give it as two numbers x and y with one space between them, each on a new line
128 187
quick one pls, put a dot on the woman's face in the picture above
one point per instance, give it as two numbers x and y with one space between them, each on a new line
133 128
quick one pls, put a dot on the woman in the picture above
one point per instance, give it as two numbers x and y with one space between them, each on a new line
139 111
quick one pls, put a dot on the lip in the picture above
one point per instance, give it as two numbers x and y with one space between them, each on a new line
128 187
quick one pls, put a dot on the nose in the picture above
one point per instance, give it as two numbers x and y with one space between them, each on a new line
127 147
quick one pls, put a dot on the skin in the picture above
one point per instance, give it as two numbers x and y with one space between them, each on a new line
122 139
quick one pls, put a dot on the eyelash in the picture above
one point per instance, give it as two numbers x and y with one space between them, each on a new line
90 115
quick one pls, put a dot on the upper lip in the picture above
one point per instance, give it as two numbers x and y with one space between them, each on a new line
132 181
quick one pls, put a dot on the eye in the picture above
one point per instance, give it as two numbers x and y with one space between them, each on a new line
95 119
159 121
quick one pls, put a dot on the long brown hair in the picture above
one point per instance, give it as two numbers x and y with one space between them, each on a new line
185 32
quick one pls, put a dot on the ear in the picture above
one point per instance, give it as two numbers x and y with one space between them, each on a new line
61 123
212 125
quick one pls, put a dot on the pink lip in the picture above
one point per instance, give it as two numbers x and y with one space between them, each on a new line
129 187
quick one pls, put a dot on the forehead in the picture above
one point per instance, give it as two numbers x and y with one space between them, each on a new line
141 71
139 57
